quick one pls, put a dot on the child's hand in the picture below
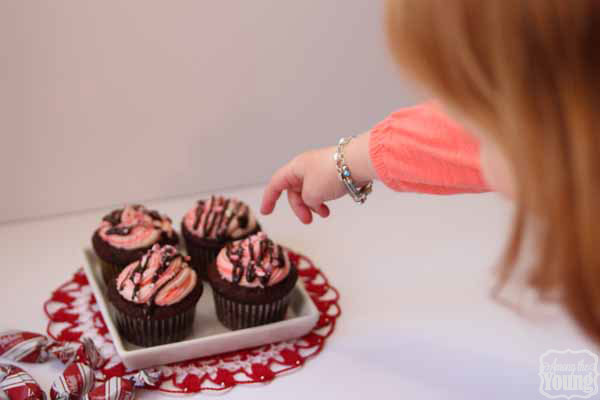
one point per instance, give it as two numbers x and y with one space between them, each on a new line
311 179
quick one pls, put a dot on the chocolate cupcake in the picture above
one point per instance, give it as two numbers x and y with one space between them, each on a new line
252 281
213 223
126 234
154 299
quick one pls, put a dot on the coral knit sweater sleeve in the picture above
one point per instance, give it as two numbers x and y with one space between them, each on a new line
419 149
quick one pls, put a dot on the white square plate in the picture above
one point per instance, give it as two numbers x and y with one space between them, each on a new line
208 336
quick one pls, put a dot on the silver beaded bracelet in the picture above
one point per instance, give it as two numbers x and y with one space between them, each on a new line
358 194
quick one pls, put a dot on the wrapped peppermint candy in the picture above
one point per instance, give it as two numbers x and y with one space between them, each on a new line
76 381
116 388
16 384
35 348
123 388
145 377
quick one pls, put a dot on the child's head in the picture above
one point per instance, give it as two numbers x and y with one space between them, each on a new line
526 76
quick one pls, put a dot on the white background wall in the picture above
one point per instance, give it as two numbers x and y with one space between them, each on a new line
106 102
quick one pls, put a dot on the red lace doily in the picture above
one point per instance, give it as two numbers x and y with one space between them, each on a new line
73 314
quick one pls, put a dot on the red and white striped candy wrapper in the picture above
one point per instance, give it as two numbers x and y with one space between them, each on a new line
84 352
23 346
32 347
123 388
116 388
76 381
16 384
148 377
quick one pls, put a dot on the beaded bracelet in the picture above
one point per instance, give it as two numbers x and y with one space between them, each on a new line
358 194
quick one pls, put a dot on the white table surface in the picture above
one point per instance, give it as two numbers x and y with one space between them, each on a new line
414 273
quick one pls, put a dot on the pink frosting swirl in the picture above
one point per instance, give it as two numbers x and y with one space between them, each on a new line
253 262
162 277
220 218
134 227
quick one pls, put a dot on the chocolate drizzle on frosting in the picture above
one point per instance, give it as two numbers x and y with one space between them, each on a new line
267 251
155 215
167 255
114 218
119 227
219 215
119 230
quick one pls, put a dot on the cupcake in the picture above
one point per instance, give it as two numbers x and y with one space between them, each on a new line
154 299
213 223
252 281
125 235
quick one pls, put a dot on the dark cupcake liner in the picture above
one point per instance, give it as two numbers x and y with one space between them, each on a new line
109 271
236 315
146 331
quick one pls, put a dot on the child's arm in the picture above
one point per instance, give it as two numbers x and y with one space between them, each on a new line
417 149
